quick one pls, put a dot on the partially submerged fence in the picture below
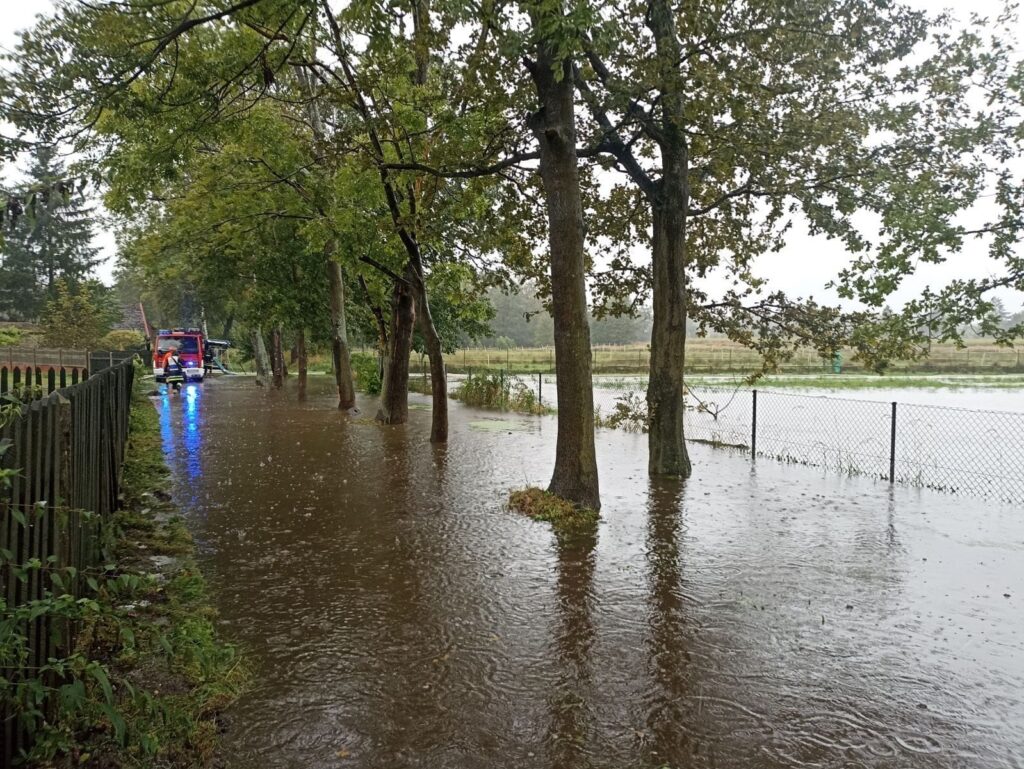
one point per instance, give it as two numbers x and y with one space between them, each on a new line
955 450
67 449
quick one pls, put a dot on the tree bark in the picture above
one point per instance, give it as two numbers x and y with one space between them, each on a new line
667 453
282 358
575 474
302 359
261 360
438 377
276 358
394 397
341 358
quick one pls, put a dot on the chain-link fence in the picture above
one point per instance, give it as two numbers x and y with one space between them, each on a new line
950 449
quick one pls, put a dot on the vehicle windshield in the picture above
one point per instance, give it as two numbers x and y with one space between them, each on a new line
181 344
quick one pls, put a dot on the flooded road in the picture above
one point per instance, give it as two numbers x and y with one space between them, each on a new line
757 616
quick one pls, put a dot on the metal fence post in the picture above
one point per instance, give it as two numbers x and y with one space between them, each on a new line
540 393
892 446
753 425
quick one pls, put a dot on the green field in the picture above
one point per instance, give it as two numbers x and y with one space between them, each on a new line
719 356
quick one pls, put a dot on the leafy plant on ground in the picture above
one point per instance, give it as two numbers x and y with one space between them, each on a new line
367 374
499 391
565 518
629 413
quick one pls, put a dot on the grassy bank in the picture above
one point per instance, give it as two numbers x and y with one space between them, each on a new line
148 676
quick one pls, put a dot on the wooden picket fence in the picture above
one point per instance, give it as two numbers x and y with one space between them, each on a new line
51 370
68 448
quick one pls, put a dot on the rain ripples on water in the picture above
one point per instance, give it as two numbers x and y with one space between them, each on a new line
757 616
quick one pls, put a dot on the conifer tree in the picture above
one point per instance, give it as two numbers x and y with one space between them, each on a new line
51 240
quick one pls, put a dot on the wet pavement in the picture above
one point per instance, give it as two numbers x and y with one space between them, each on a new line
756 616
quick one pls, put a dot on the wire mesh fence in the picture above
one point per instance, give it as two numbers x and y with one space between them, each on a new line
955 450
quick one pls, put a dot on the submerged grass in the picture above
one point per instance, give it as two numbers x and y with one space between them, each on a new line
499 391
565 518
836 382
855 382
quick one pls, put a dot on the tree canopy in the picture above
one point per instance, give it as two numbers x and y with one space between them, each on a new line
292 163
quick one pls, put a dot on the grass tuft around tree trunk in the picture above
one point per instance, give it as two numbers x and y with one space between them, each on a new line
565 518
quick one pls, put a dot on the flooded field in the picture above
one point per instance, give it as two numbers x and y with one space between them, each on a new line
757 616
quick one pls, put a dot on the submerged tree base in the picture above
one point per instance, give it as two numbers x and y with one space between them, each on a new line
565 517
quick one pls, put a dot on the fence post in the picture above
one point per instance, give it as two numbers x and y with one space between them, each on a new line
892 446
540 383
753 425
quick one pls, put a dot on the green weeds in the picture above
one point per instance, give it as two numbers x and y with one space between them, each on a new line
366 373
565 518
629 413
496 390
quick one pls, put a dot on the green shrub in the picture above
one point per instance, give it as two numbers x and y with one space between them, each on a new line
123 339
629 414
10 337
367 376
495 390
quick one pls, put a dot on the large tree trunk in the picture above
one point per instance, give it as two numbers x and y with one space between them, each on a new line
302 359
394 396
438 377
340 355
282 358
575 475
261 360
276 357
666 445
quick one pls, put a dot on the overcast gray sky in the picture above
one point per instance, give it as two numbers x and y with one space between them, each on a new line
802 268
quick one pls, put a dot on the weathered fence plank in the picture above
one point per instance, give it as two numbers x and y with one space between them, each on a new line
68 448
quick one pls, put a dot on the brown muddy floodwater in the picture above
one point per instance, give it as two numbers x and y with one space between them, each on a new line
757 616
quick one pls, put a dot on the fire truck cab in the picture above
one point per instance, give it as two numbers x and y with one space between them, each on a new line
188 343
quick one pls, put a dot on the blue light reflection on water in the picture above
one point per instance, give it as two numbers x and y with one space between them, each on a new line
166 427
193 436
191 428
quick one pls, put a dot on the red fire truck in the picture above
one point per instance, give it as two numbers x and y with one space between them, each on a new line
190 346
